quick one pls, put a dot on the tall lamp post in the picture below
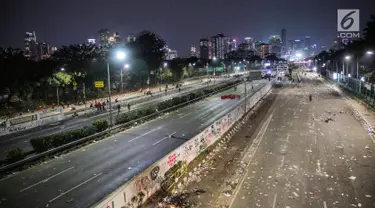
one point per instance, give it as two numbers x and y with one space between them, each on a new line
57 91
214 59
120 55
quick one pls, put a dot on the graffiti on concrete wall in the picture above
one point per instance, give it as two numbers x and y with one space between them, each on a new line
167 171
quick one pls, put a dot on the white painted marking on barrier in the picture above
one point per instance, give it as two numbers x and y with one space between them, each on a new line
47 179
142 135
274 201
77 186
324 204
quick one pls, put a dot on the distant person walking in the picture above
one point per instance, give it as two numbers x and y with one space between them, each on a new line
310 97
118 108
129 107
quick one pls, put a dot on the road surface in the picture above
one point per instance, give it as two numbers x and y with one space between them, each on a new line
310 154
21 140
83 177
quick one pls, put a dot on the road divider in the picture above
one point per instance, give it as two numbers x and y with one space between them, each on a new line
167 171
52 144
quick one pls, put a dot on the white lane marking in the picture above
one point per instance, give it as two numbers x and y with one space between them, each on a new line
274 201
77 186
169 136
282 161
253 148
324 204
142 135
159 141
185 115
47 179
315 139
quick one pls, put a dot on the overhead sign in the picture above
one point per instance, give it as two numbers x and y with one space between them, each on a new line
99 84
348 23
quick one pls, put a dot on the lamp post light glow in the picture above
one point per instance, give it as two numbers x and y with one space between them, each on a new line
120 55
369 52
165 64
126 66
62 69
347 57
214 59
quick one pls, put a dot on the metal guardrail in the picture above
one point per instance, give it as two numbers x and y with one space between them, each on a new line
99 134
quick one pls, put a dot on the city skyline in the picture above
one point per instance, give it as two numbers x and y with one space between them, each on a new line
60 29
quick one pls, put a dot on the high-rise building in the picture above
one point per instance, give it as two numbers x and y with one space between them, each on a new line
53 49
205 48
171 54
283 41
91 41
307 44
43 50
264 50
30 45
104 36
220 46
276 44
232 44
290 47
298 45
193 51
131 38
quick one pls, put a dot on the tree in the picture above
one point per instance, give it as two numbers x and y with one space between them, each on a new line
149 47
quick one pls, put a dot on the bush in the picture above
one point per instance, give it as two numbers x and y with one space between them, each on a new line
44 143
100 125
14 155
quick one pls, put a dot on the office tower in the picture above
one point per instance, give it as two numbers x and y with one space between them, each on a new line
276 44
307 44
220 46
283 41
131 38
193 51
43 50
170 54
30 45
264 50
91 41
232 44
205 48
248 43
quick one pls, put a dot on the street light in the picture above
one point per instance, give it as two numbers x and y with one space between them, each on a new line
62 69
369 52
347 57
120 55
214 59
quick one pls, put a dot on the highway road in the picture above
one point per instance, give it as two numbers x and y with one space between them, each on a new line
83 177
309 154
21 140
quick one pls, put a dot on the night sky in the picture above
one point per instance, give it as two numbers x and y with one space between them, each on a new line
180 23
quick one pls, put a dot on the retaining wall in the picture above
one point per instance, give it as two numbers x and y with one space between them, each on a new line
136 191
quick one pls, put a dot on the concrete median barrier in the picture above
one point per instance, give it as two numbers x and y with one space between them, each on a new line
167 171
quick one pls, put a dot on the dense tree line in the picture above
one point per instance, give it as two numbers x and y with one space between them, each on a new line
357 51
